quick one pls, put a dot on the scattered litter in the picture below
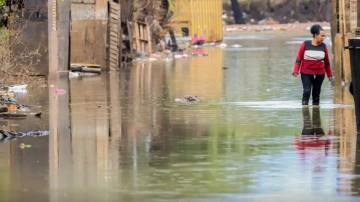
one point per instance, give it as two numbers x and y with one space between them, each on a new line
3 109
230 29
18 88
153 59
60 91
8 135
267 29
236 46
38 115
10 115
168 59
24 146
343 83
199 52
188 99
11 107
85 68
178 56
74 74
223 45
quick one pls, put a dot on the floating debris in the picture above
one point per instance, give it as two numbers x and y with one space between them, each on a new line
223 45
8 135
9 108
188 99
85 68
24 146
9 115
178 56
22 88
236 46
60 91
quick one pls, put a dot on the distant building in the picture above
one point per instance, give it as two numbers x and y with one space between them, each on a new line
198 17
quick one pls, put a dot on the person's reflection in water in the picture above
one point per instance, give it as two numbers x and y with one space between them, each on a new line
312 136
312 127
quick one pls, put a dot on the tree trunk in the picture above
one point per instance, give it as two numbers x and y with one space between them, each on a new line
237 12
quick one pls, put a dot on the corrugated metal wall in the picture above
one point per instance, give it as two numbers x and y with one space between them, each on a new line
200 16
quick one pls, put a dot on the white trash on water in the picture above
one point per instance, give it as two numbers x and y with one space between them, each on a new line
22 88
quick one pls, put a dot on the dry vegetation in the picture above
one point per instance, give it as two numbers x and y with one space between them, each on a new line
17 62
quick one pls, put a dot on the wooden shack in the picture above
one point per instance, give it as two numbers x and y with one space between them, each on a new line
201 17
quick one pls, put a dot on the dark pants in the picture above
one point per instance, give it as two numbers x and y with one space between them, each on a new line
311 83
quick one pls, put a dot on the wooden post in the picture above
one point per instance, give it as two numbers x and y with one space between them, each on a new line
64 9
53 43
59 32
115 36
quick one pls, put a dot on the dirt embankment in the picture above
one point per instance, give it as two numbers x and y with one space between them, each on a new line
282 11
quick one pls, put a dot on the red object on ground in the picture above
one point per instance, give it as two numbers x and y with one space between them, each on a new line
196 40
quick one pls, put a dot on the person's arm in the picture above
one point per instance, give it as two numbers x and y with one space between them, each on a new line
327 64
299 59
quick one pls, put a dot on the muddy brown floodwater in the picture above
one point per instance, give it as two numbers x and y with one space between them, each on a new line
122 137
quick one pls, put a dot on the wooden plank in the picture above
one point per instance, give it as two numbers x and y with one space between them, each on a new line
141 34
114 40
113 53
149 49
338 59
116 61
114 50
115 57
136 35
346 61
131 42
115 6
114 16
114 35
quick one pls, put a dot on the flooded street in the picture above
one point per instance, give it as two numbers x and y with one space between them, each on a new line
122 137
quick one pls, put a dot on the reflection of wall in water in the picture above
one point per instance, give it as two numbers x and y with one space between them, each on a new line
201 76
89 31
4 171
344 128
28 168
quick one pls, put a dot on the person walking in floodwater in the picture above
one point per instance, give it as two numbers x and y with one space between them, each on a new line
312 63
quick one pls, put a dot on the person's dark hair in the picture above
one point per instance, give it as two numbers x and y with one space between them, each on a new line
316 29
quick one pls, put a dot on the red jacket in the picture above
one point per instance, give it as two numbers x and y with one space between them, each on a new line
313 59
